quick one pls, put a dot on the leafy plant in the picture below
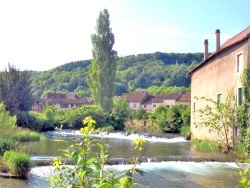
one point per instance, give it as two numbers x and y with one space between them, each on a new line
18 162
88 168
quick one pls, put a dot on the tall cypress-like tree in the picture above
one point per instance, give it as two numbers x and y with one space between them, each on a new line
102 70
15 89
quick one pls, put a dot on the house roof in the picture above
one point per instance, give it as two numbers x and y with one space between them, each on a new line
240 37
173 96
185 97
138 97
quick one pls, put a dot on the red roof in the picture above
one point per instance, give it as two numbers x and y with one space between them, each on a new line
138 97
185 97
240 37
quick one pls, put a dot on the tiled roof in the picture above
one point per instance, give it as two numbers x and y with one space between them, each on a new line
185 97
148 100
173 96
138 97
240 37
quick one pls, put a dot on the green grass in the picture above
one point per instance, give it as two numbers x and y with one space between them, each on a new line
206 145
185 130
26 136
18 162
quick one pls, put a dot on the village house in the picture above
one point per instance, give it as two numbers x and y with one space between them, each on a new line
216 75
61 101
142 100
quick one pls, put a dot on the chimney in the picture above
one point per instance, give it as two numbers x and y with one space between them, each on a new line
206 49
217 32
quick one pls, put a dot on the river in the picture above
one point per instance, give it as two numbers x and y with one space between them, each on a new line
169 160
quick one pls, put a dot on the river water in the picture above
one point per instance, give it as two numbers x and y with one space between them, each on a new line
169 160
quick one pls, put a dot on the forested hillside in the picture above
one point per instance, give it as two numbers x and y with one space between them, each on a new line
134 72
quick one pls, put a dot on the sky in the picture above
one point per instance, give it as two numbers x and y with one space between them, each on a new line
42 34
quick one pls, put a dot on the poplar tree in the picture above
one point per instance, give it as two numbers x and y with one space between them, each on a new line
102 71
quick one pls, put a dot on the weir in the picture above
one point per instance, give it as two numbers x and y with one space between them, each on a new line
168 160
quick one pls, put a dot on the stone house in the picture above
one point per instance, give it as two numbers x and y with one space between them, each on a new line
61 101
142 100
216 75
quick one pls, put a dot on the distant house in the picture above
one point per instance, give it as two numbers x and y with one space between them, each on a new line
142 100
39 105
62 101
177 98
136 100
215 75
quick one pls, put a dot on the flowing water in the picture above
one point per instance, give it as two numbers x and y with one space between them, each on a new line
169 160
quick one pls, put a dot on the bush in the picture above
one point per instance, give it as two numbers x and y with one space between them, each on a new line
7 123
207 145
5 145
19 163
26 136
108 128
185 129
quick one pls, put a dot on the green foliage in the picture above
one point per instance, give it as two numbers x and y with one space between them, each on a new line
138 114
156 90
23 135
7 122
242 113
88 171
120 113
156 71
18 162
5 145
185 129
102 70
171 119
206 145
37 121
244 173
15 89
108 128
73 117
219 117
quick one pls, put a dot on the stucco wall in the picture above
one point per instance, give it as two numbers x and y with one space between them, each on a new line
216 77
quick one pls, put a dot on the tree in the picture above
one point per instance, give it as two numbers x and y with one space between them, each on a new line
15 89
120 112
219 116
102 70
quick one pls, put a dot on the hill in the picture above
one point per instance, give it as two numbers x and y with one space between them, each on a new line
133 72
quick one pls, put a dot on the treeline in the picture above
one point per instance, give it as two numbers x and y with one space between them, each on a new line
134 72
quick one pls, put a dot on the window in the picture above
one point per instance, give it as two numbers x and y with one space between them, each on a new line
134 105
194 106
145 106
219 98
154 105
64 105
240 96
239 62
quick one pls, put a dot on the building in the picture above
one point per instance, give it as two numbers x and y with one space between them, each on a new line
216 75
142 100
61 101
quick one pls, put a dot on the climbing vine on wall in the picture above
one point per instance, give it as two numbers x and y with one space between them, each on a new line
242 113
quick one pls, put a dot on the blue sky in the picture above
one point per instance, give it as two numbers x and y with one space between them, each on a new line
43 34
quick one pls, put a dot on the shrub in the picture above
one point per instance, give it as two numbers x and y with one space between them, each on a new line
19 163
185 129
5 145
7 123
206 145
